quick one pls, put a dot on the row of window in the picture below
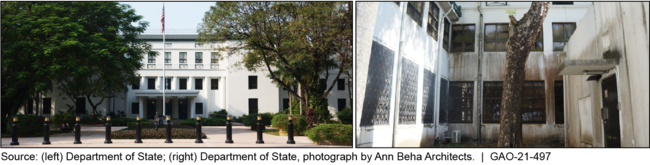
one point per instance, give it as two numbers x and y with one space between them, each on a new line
342 103
182 84
182 57
135 108
496 35
340 84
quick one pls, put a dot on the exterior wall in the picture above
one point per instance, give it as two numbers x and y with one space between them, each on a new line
616 27
541 65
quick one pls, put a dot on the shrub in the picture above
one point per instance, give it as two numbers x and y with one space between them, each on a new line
125 121
345 115
281 121
27 124
132 124
251 120
150 133
331 133
62 118
204 122
222 114
295 107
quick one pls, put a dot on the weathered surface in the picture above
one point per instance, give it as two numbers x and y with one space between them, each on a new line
522 34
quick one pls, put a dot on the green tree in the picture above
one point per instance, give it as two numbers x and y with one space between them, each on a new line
297 36
86 49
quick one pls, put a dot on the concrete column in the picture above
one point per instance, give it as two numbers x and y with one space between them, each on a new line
141 109
174 83
190 83
222 87
206 88
193 106
143 86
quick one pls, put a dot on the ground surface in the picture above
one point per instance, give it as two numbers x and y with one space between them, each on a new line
94 137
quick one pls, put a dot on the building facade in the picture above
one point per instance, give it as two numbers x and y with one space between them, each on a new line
431 71
197 83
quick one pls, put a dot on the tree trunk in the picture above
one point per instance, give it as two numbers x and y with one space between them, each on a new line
522 35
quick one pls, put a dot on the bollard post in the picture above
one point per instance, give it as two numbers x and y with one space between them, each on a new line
228 130
169 130
290 131
14 132
259 130
46 131
77 132
138 131
108 130
198 130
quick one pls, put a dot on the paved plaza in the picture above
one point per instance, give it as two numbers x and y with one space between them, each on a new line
216 137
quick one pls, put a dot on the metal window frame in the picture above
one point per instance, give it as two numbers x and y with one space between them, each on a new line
462 96
411 9
252 84
566 38
496 40
496 3
451 48
432 28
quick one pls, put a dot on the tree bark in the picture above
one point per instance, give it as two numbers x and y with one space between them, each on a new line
522 35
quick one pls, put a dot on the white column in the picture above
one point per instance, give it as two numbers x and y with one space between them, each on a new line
206 87
193 106
141 109
174 83
143 86
190 83
161 81
222 87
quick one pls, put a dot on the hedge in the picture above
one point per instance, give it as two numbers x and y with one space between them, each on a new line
62 118
345 115
27 124
204 122
251 120
222 114
333 133
132 124
150 133
125 121
280 121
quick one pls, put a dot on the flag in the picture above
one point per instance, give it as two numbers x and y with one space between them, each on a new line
162 19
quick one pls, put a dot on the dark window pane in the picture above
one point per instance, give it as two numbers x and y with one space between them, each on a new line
285 104
135 108
198 84
559 102
30 106
341 104
199 108
569 28
558 32
168 82
492 92
323 84
341 84
562 3
252 82
47 105
214 84
469 47
533 108
461 96
182 84
81 105
490 32
252 106
408 92
444 103
151 83
490 46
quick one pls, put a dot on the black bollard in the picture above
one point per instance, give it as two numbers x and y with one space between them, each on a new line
14 132
138 131
290 131
169 130
108 130
228 130
77 132
198 130
46 131
259 130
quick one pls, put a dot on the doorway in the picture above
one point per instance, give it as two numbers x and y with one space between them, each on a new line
182 109
610 113
151 108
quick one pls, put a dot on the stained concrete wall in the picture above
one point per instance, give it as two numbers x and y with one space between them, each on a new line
619 27
541 65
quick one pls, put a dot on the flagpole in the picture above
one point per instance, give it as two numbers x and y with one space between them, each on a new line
164 65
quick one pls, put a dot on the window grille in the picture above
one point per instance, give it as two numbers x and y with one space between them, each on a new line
376 104
408 92
461 100
559 102
428 96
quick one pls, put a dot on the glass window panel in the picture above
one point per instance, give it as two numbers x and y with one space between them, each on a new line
501 46
558 32
472 30
490 32
569 30
469 47
490 46
558 46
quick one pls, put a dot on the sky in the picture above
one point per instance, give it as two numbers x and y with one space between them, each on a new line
178 15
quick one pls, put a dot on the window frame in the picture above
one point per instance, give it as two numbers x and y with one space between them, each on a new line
182 84
198 84
151 86
250 106
136 85
566 39
463 43
198 108
168 57
445 37
413 12
496 37
214 57
47 107
152 59
168 83
182 57
534 98
433 20
453 109
198 57
214 84
252 82
340 84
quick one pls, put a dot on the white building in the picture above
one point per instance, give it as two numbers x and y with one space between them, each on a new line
198 84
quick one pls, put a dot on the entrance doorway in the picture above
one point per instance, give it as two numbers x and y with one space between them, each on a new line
151 108
182 109
610 112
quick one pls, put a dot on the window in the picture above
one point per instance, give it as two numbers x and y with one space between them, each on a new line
462 38
168 57
559 102
342 104
81 105
341 84
414 10
182 57
252 106
323 84
285 104
152 59
444 96
432 26
214 84
496 36
135 108
445 37
168 45
137 84
496 3
376 104
199 108
182 84
428 98
198 84
47 105
252 82
198 57
214 57
533 106
538 44
562 3
168 82
151 83
461 99
492 92
408 92
561 34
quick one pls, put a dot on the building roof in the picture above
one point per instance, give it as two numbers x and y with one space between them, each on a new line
177 37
